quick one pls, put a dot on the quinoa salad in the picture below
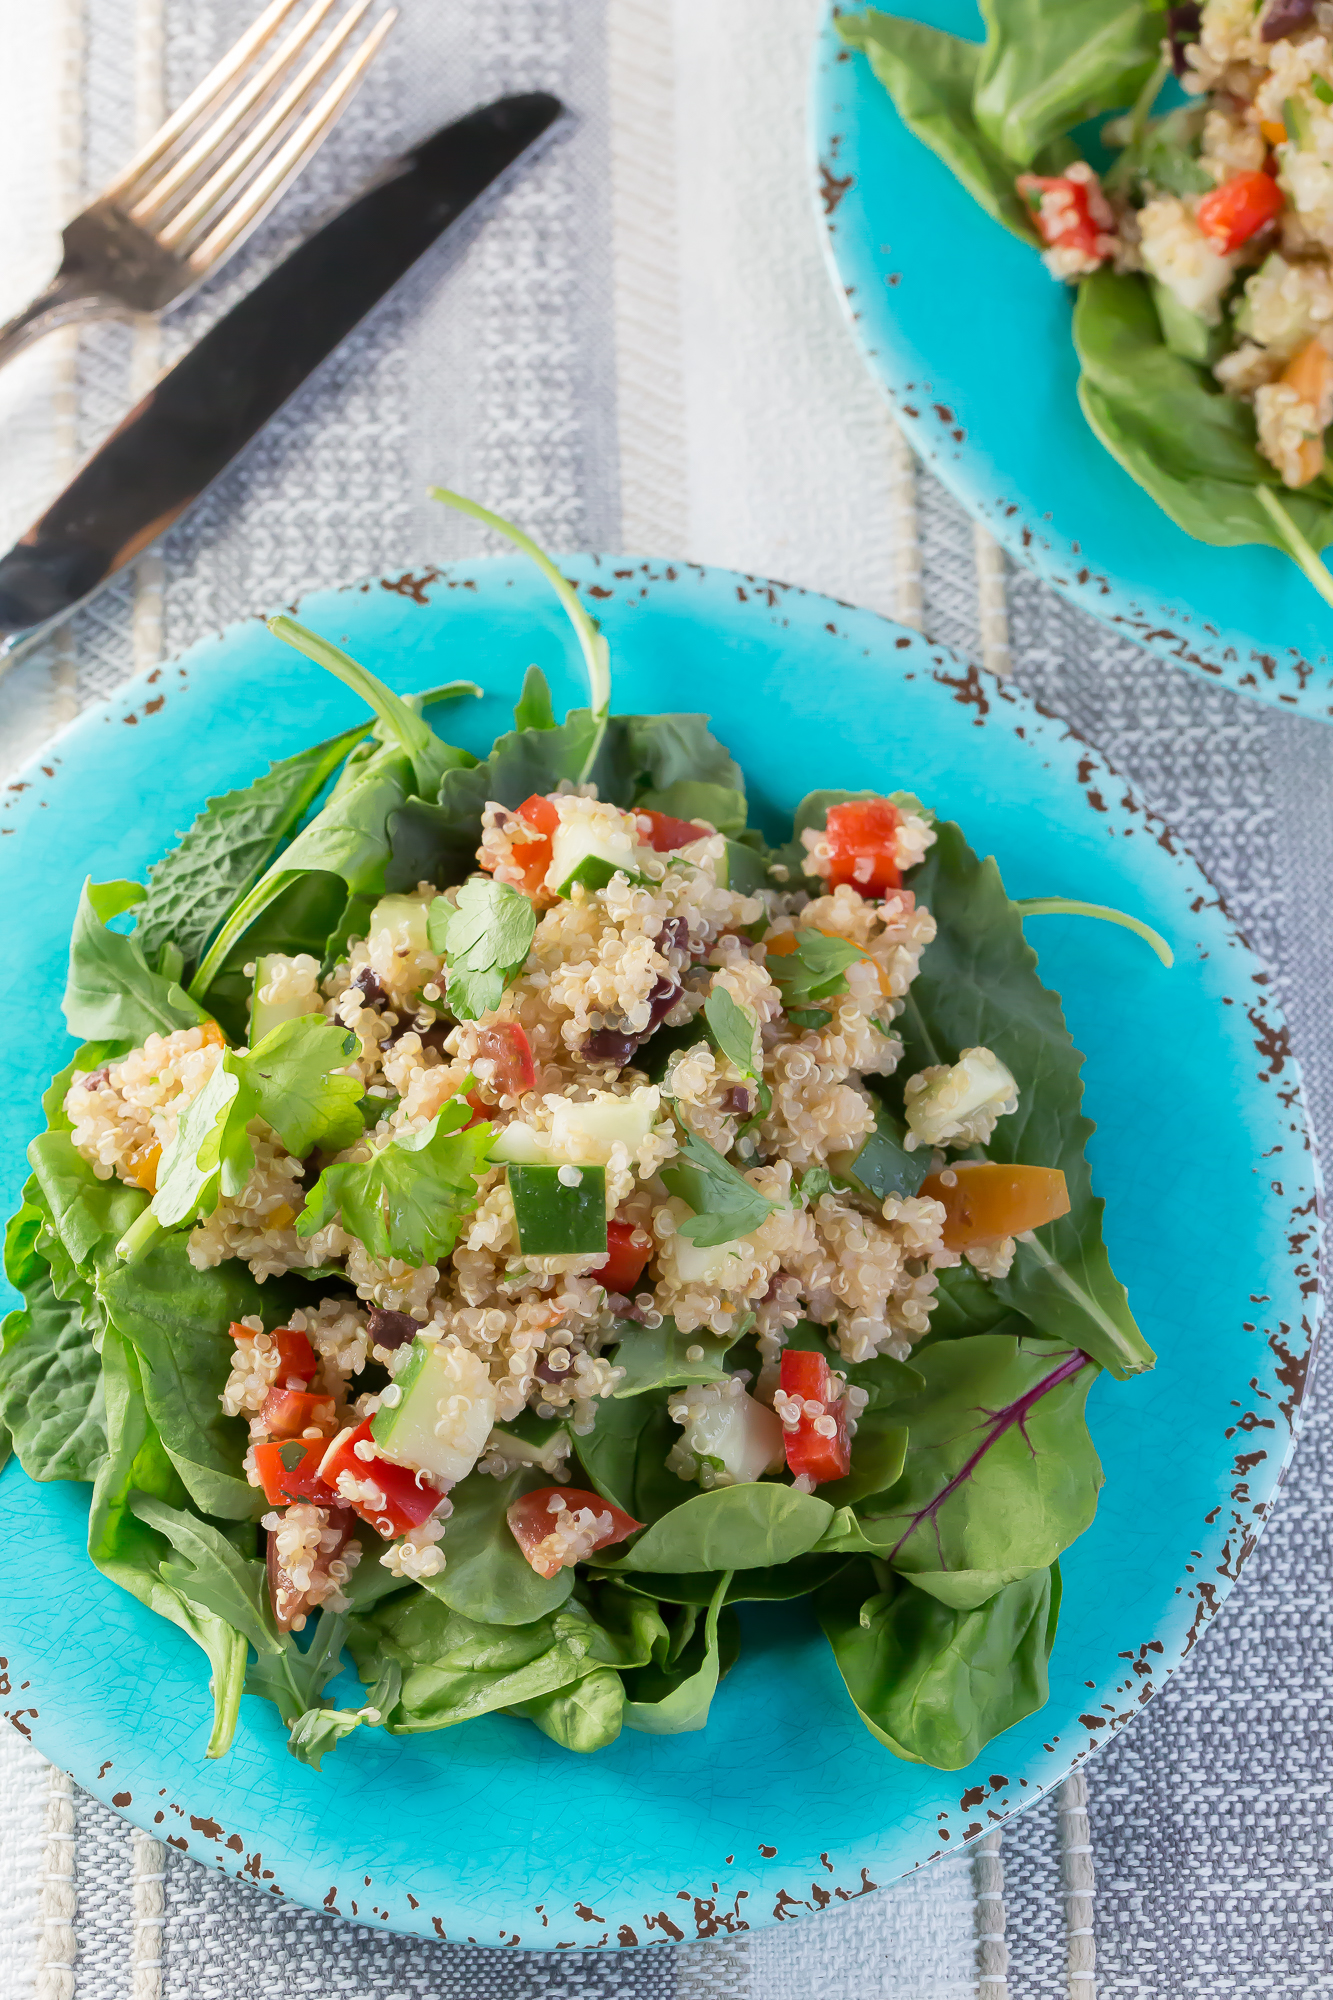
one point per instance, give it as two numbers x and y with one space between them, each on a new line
505 1213
1196 224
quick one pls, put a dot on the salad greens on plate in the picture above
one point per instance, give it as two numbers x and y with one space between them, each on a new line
502 1215
1196 223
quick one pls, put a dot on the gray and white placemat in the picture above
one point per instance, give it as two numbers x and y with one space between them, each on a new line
640 350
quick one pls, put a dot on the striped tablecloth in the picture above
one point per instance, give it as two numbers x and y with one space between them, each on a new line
641 351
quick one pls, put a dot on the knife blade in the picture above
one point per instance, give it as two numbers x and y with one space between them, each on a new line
191 425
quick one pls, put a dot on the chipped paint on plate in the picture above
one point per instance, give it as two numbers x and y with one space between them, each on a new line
784 1805
969 339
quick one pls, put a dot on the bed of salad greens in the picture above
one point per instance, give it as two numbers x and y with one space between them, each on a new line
1008 107
933 1568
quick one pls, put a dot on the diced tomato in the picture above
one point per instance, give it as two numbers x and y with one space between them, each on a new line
536 1518
285 1483
290 1603
663 833
862 840
985 1200
409 1498
534 856
809 1450
625 1258
505 1044
288 1412
1239 209
1070 212
295 1354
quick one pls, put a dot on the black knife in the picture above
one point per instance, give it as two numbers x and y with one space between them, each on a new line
200 415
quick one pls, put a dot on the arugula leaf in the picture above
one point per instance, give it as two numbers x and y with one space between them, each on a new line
131 1554
931 78
1046 68
1190 447
735 1029
484 943
689 1695
288 1082
932 1683
978 986
533 708
487 1576
51 1396
411 1197
725 1204
229 845
112 993
1000 1474
815 970
211 1573
749 1526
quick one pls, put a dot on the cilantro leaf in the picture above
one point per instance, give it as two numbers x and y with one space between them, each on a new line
724 1203
410 1198
484 942
286 1081
815 970
733 1029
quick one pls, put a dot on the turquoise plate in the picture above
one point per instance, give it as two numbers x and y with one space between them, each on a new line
969 339
784 1804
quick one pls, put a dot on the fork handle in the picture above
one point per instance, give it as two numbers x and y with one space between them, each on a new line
65 302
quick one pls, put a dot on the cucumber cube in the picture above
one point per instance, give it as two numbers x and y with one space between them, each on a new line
443 1413
555 1219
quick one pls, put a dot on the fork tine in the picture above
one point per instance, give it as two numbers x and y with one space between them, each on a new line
215 85
262 192
212 142
208 198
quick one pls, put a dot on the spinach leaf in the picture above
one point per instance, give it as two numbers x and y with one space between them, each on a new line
585 1716
1049 64
288 1081
316 1731
130 1553
749 1526
625 1453
487 1577
725 1204
51 1396
112 993
411 1197
533 708
965 1303
228 846
723 806
456 1667
1189 446
684 1703
210 1572
1000 1473
484 943
879 1451
932 1683
348 840
931 78
978 985
781 1585
662 1357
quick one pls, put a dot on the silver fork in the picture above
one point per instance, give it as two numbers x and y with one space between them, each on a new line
210 175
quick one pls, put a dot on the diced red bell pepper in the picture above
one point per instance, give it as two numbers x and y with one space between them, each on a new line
809 1450
534 856
289 1412
289 1471
625 1258
862 838
505 1044
663 833
1064 211
533 1521
1239 209
409 1498
290 1604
